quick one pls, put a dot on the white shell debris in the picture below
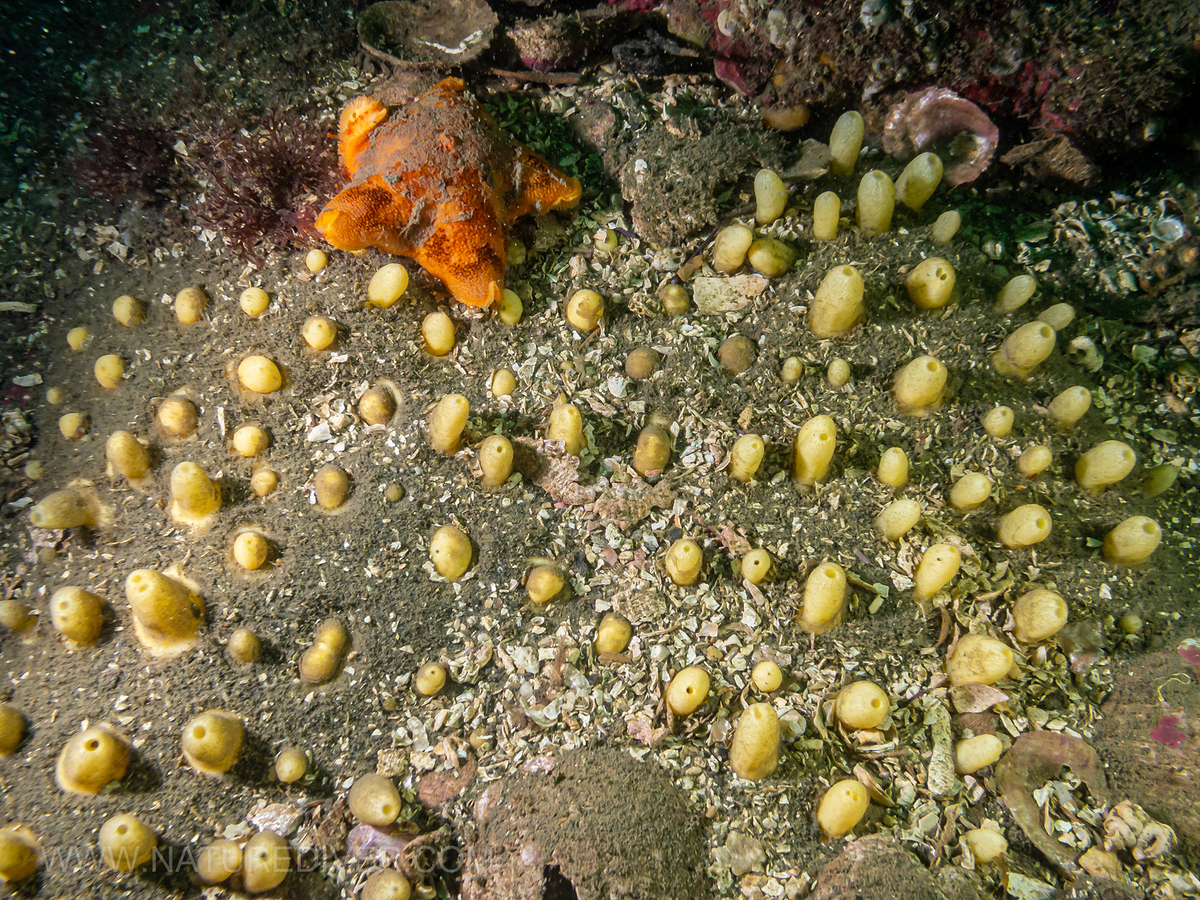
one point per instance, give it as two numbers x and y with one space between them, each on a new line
715 295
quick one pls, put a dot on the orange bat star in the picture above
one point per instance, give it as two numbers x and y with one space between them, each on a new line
437 180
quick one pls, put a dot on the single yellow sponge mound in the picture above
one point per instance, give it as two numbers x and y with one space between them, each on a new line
166 613
92 759
212 741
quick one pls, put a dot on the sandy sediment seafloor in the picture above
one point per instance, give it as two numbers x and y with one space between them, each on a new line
525 681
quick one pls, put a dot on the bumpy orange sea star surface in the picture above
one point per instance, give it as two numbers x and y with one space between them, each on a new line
439 181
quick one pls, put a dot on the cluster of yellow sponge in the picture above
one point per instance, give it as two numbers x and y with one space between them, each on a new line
167 613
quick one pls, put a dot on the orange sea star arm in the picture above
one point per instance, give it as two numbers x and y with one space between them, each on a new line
370 214
355 125
539 187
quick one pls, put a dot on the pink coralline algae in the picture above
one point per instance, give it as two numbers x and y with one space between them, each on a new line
1165 732
1190 650
938 114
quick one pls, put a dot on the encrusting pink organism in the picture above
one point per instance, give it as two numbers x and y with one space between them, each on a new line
1165 732
1190 651
935 114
